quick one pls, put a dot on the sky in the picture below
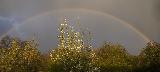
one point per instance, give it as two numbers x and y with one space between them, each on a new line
120 21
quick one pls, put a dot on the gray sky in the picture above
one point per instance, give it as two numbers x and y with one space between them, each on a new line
43 16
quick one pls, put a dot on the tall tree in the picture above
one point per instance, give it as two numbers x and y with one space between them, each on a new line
70 56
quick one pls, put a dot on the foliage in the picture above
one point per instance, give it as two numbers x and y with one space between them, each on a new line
20 56
150 58
114 58
71 55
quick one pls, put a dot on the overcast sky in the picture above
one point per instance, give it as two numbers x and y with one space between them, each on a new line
107 19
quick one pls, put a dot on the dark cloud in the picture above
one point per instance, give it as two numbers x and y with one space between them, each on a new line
5 25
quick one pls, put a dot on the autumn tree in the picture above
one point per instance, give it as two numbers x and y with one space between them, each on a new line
21 56
5 44
114 58
150 58
71 55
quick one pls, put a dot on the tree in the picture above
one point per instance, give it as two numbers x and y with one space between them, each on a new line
114 58
71 55
21 56
5 45
150 57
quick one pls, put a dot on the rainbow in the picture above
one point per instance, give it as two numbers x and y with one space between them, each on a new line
146 39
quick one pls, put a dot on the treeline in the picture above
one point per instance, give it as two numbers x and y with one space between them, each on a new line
23 56
75 54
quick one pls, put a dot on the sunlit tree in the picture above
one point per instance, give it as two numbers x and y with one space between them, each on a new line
5 47
71 55
21 56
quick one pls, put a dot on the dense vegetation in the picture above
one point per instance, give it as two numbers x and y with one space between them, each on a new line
75 54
